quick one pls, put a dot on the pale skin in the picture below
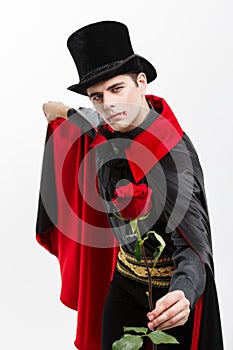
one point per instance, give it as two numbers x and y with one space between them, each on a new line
122 104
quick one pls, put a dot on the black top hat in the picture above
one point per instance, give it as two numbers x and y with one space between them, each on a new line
103 50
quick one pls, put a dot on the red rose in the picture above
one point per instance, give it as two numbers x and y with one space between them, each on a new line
133 201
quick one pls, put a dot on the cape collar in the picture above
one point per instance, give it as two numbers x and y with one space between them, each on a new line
152 144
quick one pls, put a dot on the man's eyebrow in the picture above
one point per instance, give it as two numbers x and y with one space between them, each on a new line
115 85
109 88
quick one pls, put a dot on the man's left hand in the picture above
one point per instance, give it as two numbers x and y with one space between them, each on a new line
171 310
53 110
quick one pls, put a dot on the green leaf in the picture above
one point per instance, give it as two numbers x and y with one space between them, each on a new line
147 236
138 251
157 253
160 248
136 329
159 337
128 342
134 225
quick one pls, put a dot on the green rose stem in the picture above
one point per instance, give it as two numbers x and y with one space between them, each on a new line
139 252
149 279
150 299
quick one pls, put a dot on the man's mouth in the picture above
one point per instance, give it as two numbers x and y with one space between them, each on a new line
116 117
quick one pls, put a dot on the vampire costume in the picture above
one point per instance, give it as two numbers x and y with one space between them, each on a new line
87 170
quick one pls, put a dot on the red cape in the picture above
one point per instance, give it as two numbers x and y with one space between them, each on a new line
74 231
86 271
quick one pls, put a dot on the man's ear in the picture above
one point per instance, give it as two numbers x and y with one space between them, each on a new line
142 82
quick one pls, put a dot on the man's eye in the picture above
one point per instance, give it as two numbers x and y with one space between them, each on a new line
96 98
117 88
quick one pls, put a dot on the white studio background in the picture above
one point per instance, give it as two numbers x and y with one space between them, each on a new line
191 45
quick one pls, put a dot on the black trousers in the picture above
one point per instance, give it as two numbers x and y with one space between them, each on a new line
127 305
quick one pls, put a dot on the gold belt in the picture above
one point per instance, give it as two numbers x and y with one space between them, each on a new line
130 267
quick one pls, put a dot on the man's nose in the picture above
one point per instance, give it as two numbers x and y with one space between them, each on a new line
108 102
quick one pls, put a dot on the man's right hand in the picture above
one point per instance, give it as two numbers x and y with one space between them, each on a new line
53 110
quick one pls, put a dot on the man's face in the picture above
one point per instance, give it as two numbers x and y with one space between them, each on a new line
120 101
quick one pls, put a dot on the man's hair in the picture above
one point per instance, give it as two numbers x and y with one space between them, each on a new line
134 76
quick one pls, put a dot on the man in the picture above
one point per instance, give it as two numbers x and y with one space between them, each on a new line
139 146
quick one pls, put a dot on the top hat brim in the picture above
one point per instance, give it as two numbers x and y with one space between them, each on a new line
133 63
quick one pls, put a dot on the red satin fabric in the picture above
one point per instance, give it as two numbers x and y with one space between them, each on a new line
197 324
86 271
